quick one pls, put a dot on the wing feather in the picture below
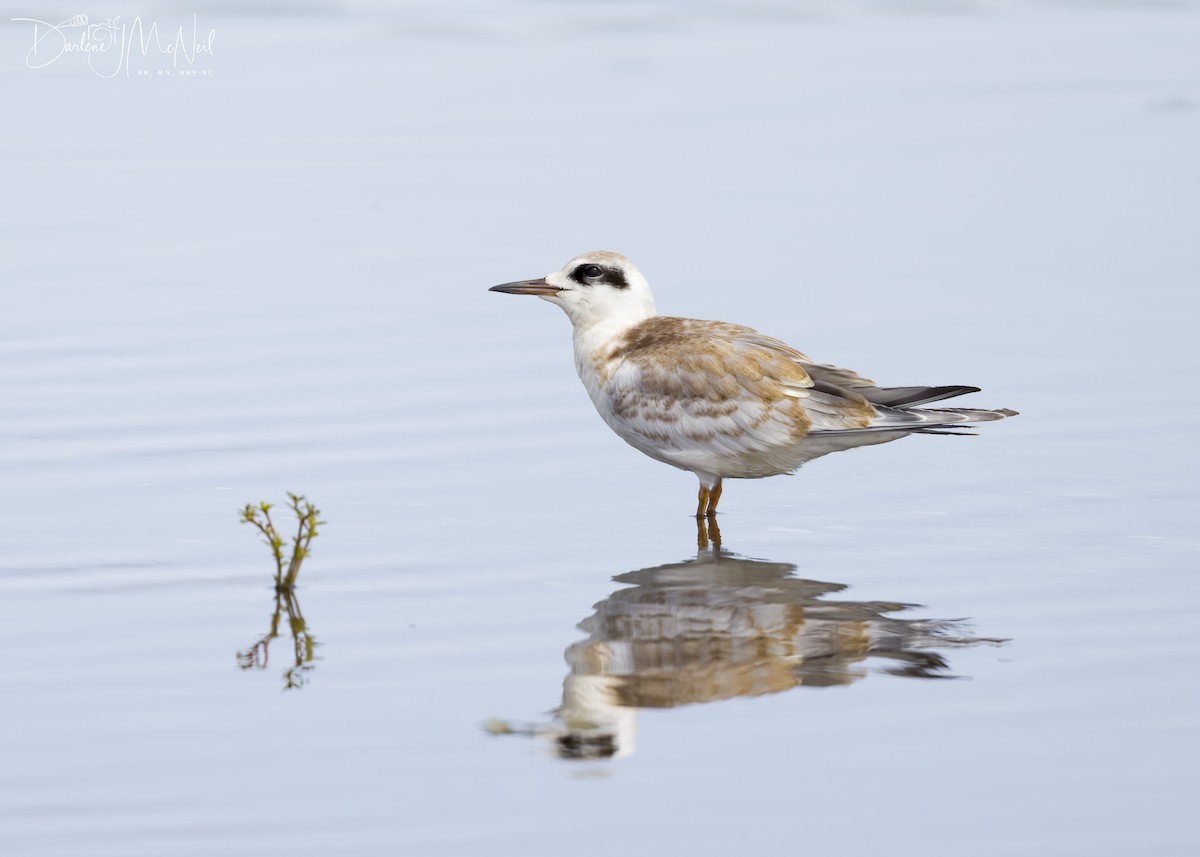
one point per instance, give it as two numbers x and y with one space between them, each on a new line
687 392
725 399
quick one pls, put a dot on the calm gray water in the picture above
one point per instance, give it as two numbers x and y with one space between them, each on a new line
272 277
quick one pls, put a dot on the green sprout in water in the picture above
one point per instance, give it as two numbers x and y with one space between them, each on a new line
286 600
306 515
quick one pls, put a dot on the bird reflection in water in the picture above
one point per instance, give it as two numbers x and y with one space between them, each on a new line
722 626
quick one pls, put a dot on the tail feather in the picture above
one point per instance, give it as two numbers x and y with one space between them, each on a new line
832 386
926 420
933 418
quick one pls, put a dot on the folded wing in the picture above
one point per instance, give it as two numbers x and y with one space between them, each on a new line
687 391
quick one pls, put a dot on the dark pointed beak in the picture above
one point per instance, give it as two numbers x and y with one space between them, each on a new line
527 287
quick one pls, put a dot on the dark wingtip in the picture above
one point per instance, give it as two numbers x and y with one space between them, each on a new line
903 397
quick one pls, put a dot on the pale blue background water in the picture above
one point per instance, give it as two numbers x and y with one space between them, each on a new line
273 278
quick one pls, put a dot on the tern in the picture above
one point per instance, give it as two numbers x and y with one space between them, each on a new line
721 400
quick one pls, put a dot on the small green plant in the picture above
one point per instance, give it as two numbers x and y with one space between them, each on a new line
306 516
286 600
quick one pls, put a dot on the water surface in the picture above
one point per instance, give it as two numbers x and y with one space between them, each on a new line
274 278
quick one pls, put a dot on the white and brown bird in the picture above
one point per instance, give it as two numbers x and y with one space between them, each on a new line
718 399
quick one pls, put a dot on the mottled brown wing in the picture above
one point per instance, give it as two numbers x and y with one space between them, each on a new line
687 381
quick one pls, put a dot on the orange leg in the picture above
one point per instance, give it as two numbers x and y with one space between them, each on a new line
713 497
708 497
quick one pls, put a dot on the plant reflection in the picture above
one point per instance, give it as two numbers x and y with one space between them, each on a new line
303 642
722 626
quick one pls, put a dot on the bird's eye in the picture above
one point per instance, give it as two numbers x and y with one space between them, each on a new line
590 271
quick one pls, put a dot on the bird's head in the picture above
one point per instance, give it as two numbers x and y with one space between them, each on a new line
597 286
